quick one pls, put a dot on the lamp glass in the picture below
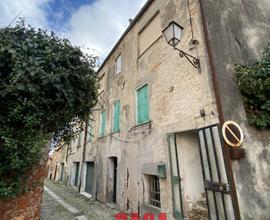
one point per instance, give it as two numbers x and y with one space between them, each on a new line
173 33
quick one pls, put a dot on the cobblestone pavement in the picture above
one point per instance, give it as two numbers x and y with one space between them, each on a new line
53 210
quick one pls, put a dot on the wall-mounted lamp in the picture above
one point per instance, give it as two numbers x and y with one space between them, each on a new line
173 34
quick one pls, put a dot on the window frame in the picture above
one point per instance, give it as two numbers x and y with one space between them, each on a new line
116 73
136 100
101 131
113 116
89 131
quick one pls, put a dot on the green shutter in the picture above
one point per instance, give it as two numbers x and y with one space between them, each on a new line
142 105
89 130
80 139
116 116
102 123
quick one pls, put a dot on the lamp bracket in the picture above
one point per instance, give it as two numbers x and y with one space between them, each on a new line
193 60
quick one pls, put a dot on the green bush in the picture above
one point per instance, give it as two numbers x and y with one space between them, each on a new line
47 87
254 85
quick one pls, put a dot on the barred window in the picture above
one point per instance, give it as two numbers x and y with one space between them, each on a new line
154 191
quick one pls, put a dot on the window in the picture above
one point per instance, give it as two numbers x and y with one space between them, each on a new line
153 190
142 105
89 131
80 139
116 116
102 123
118 65
150 33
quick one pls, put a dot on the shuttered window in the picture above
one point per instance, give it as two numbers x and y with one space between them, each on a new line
116 116
89 131
102 123
142 105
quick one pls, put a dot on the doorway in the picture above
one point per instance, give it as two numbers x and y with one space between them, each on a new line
112 180
200 184
76 169
89 177
62 172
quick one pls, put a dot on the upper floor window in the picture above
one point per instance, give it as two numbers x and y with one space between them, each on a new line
118 64
149 33
89 131
80 139
102 123
142 105
116 116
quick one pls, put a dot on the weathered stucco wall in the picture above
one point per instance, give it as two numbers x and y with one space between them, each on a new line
239 31
177 92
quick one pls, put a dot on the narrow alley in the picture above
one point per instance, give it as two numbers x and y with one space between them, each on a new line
65 203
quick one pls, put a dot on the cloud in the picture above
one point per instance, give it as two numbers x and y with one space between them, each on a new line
99 25
96 25
32 10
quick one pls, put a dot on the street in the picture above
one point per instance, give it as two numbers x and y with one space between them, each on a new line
65 203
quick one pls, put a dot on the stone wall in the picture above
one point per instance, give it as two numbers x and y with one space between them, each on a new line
26 206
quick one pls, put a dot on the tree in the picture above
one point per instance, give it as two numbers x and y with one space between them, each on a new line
47 86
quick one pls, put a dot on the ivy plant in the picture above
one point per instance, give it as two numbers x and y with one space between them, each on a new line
47 88
254 84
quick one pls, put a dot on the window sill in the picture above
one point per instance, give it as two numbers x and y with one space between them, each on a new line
115 132
150 208
144 124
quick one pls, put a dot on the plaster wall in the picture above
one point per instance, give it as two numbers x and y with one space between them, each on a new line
177 92
239 31
192 185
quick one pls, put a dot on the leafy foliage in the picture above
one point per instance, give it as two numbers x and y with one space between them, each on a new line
47 87
254 84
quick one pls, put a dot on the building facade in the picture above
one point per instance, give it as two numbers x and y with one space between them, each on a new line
153 143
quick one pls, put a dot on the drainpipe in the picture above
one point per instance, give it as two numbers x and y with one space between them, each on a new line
220 113
83 153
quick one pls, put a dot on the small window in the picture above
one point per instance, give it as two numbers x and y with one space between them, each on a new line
153 190
118 65
116 116
80 139
142 105
89 131
102 123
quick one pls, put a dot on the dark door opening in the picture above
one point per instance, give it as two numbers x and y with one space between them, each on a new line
89 177
112 180
62 172
77 166
55 171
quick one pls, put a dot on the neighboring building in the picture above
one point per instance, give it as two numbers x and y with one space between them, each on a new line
57 165
154 143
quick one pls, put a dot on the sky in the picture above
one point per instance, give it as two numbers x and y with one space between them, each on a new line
93 24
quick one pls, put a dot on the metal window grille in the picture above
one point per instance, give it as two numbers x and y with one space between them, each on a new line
154 191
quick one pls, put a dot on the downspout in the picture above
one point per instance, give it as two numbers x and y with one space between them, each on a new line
220 113
83 152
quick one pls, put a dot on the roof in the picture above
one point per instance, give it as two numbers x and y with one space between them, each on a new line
133 22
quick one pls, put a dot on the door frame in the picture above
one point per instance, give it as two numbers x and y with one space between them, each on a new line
227 164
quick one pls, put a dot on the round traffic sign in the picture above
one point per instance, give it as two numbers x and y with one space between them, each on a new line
232 134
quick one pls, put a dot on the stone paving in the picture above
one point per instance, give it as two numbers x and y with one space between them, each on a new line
91 209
